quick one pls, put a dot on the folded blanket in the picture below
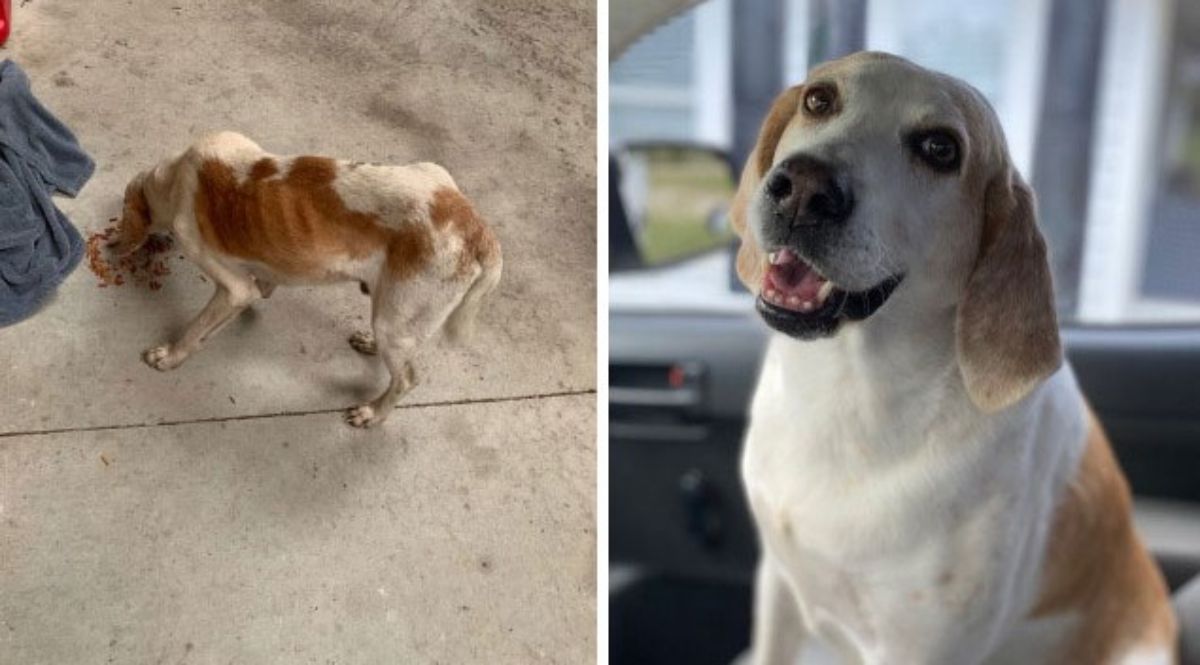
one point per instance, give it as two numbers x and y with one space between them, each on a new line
38 156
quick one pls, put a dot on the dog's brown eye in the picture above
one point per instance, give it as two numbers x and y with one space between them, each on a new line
938 149
818 101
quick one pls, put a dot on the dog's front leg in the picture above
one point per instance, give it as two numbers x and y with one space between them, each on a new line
778 629
225 304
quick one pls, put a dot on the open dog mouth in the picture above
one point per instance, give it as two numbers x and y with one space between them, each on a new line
797 300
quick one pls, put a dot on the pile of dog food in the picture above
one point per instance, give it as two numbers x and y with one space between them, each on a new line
145 267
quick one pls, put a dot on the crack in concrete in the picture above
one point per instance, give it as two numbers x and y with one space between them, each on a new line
289 414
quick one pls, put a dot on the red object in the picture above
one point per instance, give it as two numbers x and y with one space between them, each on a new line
676 376
5 19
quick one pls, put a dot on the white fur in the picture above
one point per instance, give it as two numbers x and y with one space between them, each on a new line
1155 656
907 527
384 189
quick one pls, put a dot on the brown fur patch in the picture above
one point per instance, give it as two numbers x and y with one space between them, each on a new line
409 250
1096 566
292 224
450 210
783 109
1007 328
135 220
263 169
751 261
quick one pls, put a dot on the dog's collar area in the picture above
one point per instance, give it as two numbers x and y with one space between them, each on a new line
797 301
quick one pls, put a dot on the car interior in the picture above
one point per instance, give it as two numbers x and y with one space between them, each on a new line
682 368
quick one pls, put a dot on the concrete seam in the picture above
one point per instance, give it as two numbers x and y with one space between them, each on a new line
288 414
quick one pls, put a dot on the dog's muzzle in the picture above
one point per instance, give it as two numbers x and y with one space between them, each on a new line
807 201
797 300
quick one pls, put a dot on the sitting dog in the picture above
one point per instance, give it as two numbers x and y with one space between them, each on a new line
251 220
928 482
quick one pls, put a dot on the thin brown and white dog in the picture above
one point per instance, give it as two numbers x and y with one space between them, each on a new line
251 220
928 480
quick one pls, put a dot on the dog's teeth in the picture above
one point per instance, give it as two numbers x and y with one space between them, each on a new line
773 257
826 289
793 301
806 306
770 294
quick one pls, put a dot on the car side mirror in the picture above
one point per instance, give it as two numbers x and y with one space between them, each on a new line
675 199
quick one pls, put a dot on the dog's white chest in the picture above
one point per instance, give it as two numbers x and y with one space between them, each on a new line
866 563
893 530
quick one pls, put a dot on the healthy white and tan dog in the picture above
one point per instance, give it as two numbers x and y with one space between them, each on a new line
929 484
251 220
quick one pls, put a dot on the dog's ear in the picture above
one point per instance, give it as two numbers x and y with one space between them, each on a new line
751 261
1007 331
134 227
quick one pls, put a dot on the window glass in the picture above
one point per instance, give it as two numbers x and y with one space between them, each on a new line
963 39
1172 256
1125 253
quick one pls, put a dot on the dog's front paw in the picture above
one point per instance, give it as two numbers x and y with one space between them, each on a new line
162 358
364 342
363 416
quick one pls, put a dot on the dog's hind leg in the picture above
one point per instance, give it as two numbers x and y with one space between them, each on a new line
235 291
397 355
402 318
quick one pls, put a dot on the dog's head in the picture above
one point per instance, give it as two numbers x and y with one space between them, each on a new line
880 185
135 221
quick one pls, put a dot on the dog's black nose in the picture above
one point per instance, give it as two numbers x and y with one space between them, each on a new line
779 186
805 190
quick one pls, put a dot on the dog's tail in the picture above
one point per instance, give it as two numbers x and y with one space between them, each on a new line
460 325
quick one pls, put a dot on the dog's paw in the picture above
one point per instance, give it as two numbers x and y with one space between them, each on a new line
162 359
363 416
364 342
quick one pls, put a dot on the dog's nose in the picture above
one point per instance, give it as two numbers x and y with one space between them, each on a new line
805 190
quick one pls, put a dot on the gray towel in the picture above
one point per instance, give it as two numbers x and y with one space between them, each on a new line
38 156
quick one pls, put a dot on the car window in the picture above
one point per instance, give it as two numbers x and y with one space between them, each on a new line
1117 170
1169 283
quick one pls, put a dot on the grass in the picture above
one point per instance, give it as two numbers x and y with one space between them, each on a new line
664 241
685 190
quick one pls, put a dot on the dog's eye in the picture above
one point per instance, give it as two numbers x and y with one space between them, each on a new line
818 101
938 149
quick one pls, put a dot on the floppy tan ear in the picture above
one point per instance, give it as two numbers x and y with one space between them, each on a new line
751 260
1007 329
134 227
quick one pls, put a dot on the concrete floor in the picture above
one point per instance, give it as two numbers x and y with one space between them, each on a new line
222 512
